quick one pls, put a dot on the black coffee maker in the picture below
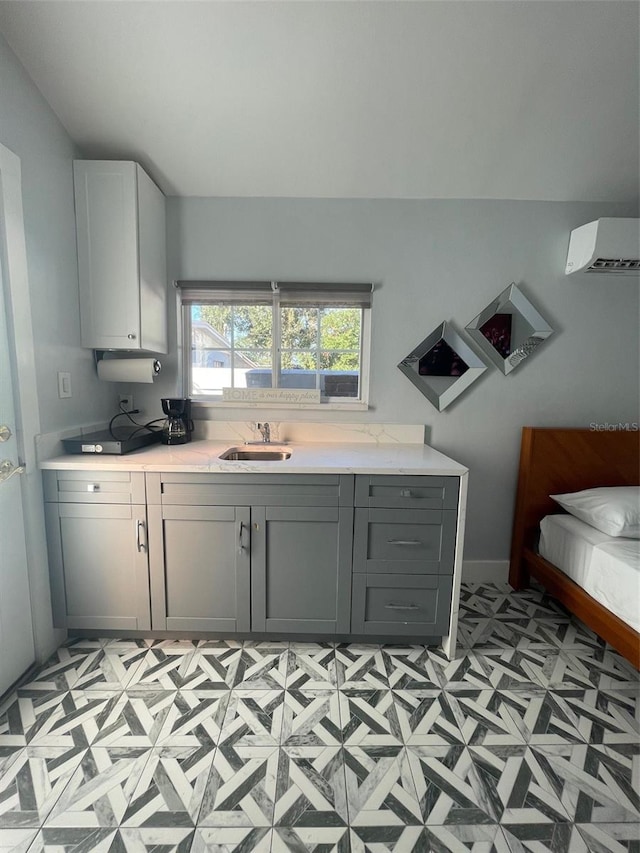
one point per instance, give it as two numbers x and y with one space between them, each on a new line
178 426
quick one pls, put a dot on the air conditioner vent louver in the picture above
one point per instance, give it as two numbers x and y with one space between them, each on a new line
614 265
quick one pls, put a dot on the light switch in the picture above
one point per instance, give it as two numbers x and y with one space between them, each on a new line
64 385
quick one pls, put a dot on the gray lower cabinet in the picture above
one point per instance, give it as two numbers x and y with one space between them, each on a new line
402 491
236 569
301 569
410 541
403 555
250 552
98 564
200 567
290 554
401 604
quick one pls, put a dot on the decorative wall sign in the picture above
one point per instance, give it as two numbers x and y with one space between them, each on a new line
509 329
272 396
442 366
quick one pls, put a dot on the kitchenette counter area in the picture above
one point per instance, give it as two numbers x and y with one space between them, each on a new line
306 458
336 539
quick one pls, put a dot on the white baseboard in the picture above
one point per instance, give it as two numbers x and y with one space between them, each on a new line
485 571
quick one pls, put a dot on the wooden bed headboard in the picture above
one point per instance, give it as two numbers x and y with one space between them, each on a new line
553 461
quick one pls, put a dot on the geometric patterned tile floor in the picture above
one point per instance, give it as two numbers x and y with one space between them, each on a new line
528 741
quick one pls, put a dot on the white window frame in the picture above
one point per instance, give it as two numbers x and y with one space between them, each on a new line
328 403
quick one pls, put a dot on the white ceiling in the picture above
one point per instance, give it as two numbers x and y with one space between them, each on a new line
452 99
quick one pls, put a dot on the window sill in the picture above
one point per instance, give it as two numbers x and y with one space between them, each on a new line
300 407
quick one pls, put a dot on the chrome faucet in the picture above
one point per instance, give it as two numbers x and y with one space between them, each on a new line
265 432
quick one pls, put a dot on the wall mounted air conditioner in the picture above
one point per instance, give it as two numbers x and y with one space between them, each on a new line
605 246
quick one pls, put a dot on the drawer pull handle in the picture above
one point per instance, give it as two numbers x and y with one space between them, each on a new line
93 487
404 542
392 606
406 493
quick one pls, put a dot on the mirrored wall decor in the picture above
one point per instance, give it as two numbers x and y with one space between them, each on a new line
442 366
509 329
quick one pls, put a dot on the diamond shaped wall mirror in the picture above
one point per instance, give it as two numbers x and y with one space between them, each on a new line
509 329
442 366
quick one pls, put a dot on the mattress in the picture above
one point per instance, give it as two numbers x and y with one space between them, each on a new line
607 568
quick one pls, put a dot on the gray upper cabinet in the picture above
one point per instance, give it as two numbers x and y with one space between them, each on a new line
199 559
98 564
301 569
120 226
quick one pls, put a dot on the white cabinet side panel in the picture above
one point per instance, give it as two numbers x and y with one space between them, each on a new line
153 265
449 642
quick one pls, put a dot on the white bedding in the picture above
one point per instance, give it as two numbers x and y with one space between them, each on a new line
607 568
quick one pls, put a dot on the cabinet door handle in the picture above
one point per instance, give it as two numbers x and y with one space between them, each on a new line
140 527
404 542
240 545
392 606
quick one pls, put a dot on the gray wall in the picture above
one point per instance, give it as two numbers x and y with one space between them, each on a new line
434 261
31 130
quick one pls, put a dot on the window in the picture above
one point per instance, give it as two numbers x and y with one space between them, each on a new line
308 342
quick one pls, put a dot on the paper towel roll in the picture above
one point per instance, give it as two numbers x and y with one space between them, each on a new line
128 369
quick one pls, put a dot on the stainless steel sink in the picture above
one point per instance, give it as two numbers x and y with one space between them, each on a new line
255 454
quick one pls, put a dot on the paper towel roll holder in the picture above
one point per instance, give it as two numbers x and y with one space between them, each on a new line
99 354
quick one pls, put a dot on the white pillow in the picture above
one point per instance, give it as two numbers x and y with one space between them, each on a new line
614 510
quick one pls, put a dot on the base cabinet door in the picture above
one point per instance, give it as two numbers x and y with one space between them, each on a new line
301 569
199 558
98 558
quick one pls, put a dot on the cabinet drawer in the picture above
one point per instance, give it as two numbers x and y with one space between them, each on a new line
252 489
394 541
403 492
97 487
401 604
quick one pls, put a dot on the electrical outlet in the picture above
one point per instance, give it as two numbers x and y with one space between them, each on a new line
126 402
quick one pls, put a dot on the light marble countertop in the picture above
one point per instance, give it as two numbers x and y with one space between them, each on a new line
306 458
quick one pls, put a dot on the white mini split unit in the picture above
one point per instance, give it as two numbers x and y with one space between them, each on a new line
605 246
